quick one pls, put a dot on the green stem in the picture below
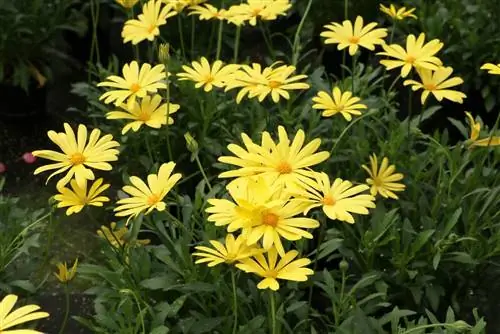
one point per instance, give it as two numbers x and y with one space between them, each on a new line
392 31
346 9
237 44
181 36
167 129
193 24
202 171
296 40
353 71
95 23
410 106
219 40
348 127
419 328
267 41
273 312
235 303
66 312
148 148
320 241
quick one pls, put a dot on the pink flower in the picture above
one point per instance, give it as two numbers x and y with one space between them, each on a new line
29 158
3 168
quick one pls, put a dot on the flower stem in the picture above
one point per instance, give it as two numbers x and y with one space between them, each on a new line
320 241
148 148
237 44
181 36
66 312
267 41
273 312
198 162
296 40
349 126
235 303
192 36
167 129
219 40
353 71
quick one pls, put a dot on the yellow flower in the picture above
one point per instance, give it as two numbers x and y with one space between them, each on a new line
78 154
127 3
149 112
146 197
397 14
437 83
491 68
338 200
179 5
347 35
117 237
233 250
147 25
266 10
21 315
77 197
338 102
272 270
134 83
417 54
283 162
383 180
475 129
208 76
207 12
64 276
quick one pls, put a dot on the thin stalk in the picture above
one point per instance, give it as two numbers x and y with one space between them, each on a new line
320 241
353 71
95 22
235 303
273 312
419 328
267 40
296 39
66 311
167 129
237 44
193 24
197 158
392 31
131 15
410 106
346 9
349 126
219 40
181 36
148 148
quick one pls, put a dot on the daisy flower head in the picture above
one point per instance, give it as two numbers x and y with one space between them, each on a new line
147 197
270 269
207 12
437 83
266 10
150 112
117 237
382 179
233 250
398 13
10 318
475 129
78 155
206 75
354 36
417 54
135 83
127 3
77 197
338 102
179 5
491 68
64 275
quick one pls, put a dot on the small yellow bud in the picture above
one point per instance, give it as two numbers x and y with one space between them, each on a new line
191 143
65 275
164 53
127 3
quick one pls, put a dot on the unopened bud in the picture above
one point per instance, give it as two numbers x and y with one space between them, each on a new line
3 168
191 143
164 53
29 158
343 265
461 325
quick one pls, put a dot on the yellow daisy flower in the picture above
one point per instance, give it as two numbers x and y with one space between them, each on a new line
271 270
147 25
117 237
383 180
233 250
23 314
397 13
416 55
134 83
207 12
64 275
282 162
179 5
437 83
338 199
338 102
127 3
77 197
78 154
208 76
491 68
266 10
475 130
146 197
347 35
149 112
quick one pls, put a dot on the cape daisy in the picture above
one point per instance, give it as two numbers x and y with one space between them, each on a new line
397 13
10 318
77 197
338 103
233 250
491 68
208 76
382 179
475 130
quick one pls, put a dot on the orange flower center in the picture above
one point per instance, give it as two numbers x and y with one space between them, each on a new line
256 11
77 159
274 84
354 39
271 273
135 88
144 116
430 86
270 219
329 200
410 59
339 108
151 28
153 199
284 168
208 79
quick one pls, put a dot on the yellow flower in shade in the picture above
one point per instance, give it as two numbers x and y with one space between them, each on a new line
127 3
271 269
284 162
77 197
146 197
437 83
148 112
338 103
338 200
78 154
266 10
117 236
147 25
179 5
475 130
23 314
134 83
233 250
64 275
383 180
353 37
397 13
491 68
207 12
207 76
417 54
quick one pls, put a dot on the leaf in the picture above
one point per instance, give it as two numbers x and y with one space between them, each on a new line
461 257
206 325
460 127
24 284
160 330
395 316
161 282
435 260
422 239
253 325
328 247
451 222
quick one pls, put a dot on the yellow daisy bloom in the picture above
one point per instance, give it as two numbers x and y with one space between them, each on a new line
208 76
127 3
437 83
491 68
21 315
338 102
271 270
233 250
207 12
64 275
147 25
134 83
282 162
117 236
266 10
347 35
338 199
475 130
149 112
383 180
146 197
397 13
77 197
179 5
78 154
416 55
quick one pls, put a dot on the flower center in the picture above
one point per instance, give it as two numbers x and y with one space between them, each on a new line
410 59
430 86
329 200
144 116
256 11
271 273
274 84
339 108
354 39
284 168
270 219
77 158
135 88
208 79
377 182
153 199
151 28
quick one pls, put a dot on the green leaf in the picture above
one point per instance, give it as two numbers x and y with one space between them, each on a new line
160 330
435 260
421 240
451 222
161 282
328 247
460 127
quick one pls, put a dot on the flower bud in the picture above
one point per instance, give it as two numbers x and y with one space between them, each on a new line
3 168
191 143
164 53
343 265
29 158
